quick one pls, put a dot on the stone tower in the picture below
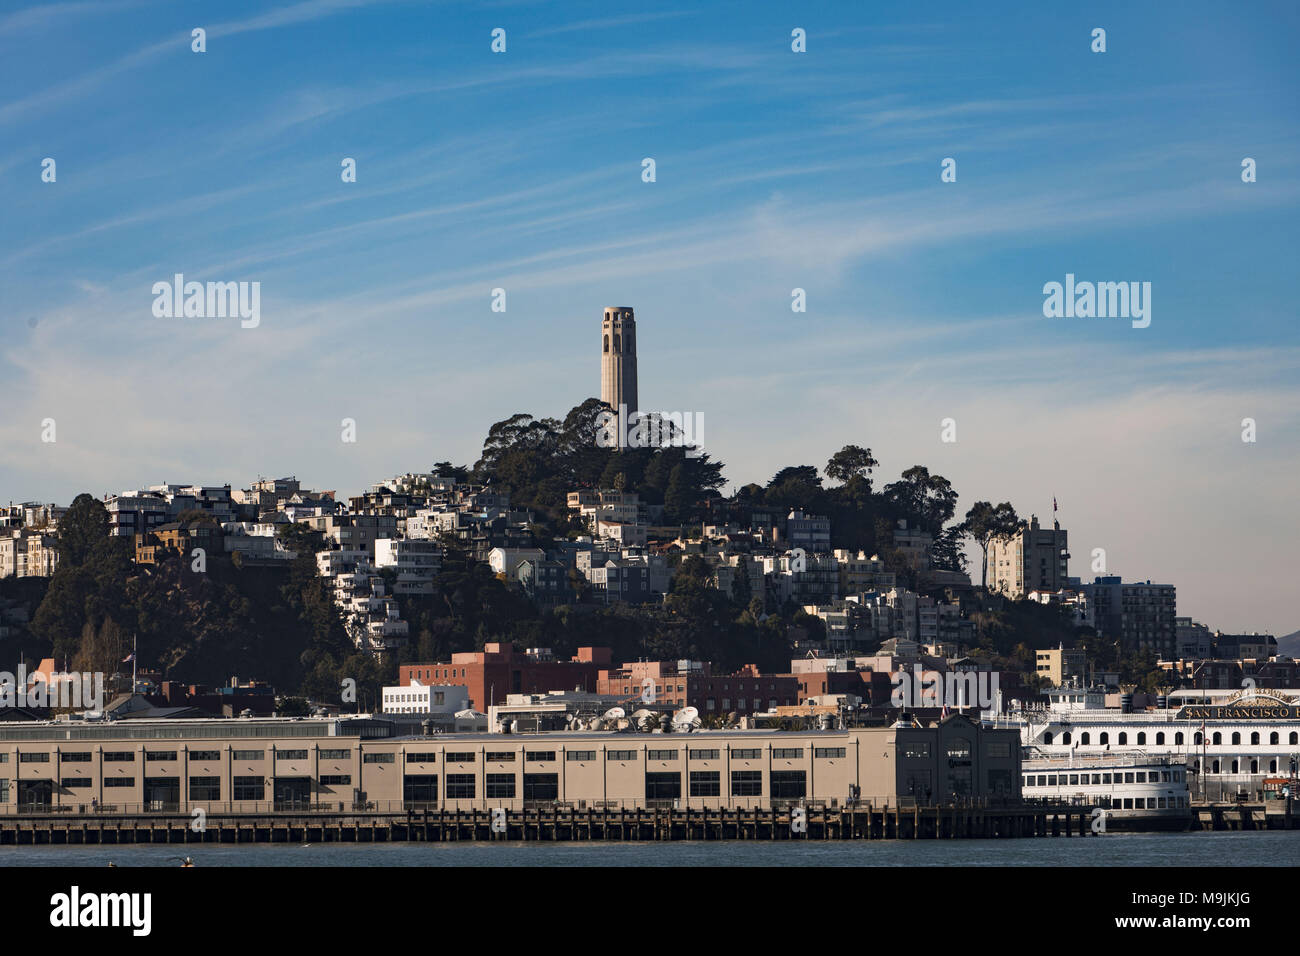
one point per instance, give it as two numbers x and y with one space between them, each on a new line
618 359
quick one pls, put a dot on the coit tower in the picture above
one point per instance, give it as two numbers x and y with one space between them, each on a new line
618 359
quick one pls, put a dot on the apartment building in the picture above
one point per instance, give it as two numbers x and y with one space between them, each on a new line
136 512
255 541
1061 666
41 516
914 544
181 537
1140 615
1193 641
417 563
422 484
858 573
803 578
1032 559
28 553
355 532
606 504
812 533
546 582
848 624
370 613
726 571
1253 647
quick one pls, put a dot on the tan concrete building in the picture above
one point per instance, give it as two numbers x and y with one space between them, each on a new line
28 553
1033 559
1060 665
257 765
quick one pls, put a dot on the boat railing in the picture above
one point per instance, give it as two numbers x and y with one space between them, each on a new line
1126 758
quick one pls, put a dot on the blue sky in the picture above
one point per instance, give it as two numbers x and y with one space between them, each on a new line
775 170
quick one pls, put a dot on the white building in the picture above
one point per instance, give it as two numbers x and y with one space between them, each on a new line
416 561
417 698
415 483
1075 601
423 524
256 540
621 532
506 560
606 505
370 614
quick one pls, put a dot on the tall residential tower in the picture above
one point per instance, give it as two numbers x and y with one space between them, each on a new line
1032 559
618 359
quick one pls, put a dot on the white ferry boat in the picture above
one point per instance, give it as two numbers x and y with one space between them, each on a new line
1135 792
1231 742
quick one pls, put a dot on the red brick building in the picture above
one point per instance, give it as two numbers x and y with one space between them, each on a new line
872 687
745 692
497 671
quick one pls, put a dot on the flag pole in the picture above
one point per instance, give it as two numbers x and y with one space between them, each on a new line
135 660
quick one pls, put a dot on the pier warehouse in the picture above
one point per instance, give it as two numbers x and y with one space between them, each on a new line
256 765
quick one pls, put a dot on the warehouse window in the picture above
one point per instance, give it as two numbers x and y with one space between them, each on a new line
705 783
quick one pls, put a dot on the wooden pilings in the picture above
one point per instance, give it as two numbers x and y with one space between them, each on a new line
863 822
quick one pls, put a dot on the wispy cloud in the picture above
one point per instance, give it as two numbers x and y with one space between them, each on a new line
61 93
47 16
607 23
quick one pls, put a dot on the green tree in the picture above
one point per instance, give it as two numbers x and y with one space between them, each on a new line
798 486
677 499
83 531
946 554
300 537
741 586
292 707
850 462
445 469
986 524
926 500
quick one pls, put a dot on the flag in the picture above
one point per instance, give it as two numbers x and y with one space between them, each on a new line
129 658
1053 502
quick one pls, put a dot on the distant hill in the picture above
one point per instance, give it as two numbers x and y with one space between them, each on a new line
1289 646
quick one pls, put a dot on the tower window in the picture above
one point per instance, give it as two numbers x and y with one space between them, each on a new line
616 343
607 343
